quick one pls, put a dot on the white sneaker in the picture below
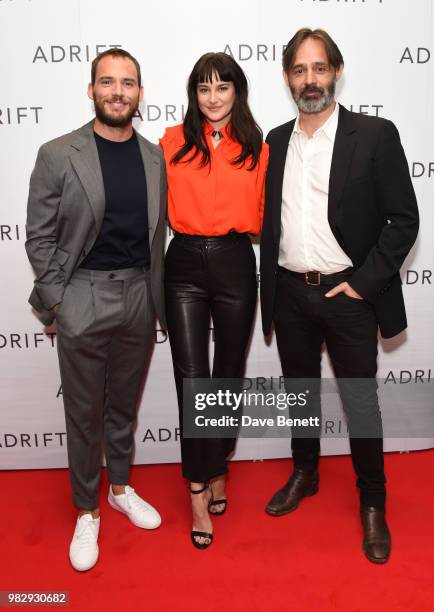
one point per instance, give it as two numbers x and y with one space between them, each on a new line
83 551
138 511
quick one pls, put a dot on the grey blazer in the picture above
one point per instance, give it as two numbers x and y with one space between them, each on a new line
66 208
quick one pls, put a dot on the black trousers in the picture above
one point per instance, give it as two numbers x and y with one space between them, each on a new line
208 278
303 320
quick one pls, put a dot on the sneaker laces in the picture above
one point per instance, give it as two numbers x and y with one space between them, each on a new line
133 500
85 534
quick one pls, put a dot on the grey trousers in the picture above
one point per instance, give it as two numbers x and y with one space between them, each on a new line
104 337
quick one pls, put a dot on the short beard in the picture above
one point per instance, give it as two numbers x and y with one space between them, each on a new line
113 121
327 96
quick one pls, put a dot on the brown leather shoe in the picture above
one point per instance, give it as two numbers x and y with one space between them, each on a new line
301 484
376 535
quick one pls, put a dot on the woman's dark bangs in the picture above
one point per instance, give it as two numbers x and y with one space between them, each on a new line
214 67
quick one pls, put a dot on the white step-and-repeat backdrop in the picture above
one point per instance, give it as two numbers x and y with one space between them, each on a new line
46 47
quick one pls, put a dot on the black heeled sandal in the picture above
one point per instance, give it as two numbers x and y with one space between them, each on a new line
200 534
217 502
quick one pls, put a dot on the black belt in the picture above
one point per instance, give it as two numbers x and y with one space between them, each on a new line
199 238
316 278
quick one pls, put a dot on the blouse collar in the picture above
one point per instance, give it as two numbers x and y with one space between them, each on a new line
209 129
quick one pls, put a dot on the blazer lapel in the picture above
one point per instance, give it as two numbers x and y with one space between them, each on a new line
85 159
278 170
152 170
345 143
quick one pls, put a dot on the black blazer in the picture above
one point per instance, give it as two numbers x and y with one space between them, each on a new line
372 212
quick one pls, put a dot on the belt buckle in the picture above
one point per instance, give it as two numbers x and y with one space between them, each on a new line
318 278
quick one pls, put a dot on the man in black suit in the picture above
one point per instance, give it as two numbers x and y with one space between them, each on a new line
340 218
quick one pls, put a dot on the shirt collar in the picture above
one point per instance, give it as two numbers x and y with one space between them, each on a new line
297 129
209 129
329 127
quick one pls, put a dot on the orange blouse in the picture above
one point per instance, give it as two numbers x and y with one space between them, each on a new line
216 199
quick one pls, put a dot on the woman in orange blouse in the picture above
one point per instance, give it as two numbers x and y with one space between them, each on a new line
216 163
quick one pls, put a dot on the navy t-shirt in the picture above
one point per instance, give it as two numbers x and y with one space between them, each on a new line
123 240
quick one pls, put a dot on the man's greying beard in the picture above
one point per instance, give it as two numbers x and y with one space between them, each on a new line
114 120
326 95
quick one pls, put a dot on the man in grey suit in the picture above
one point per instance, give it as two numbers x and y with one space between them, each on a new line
95 238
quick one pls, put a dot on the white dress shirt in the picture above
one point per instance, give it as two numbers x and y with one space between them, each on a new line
306 240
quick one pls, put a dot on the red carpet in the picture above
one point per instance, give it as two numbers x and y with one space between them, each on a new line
310 560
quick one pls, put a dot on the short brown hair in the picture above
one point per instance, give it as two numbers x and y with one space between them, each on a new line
115 52
333 54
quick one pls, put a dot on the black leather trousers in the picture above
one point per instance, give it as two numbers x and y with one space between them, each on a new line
208 278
